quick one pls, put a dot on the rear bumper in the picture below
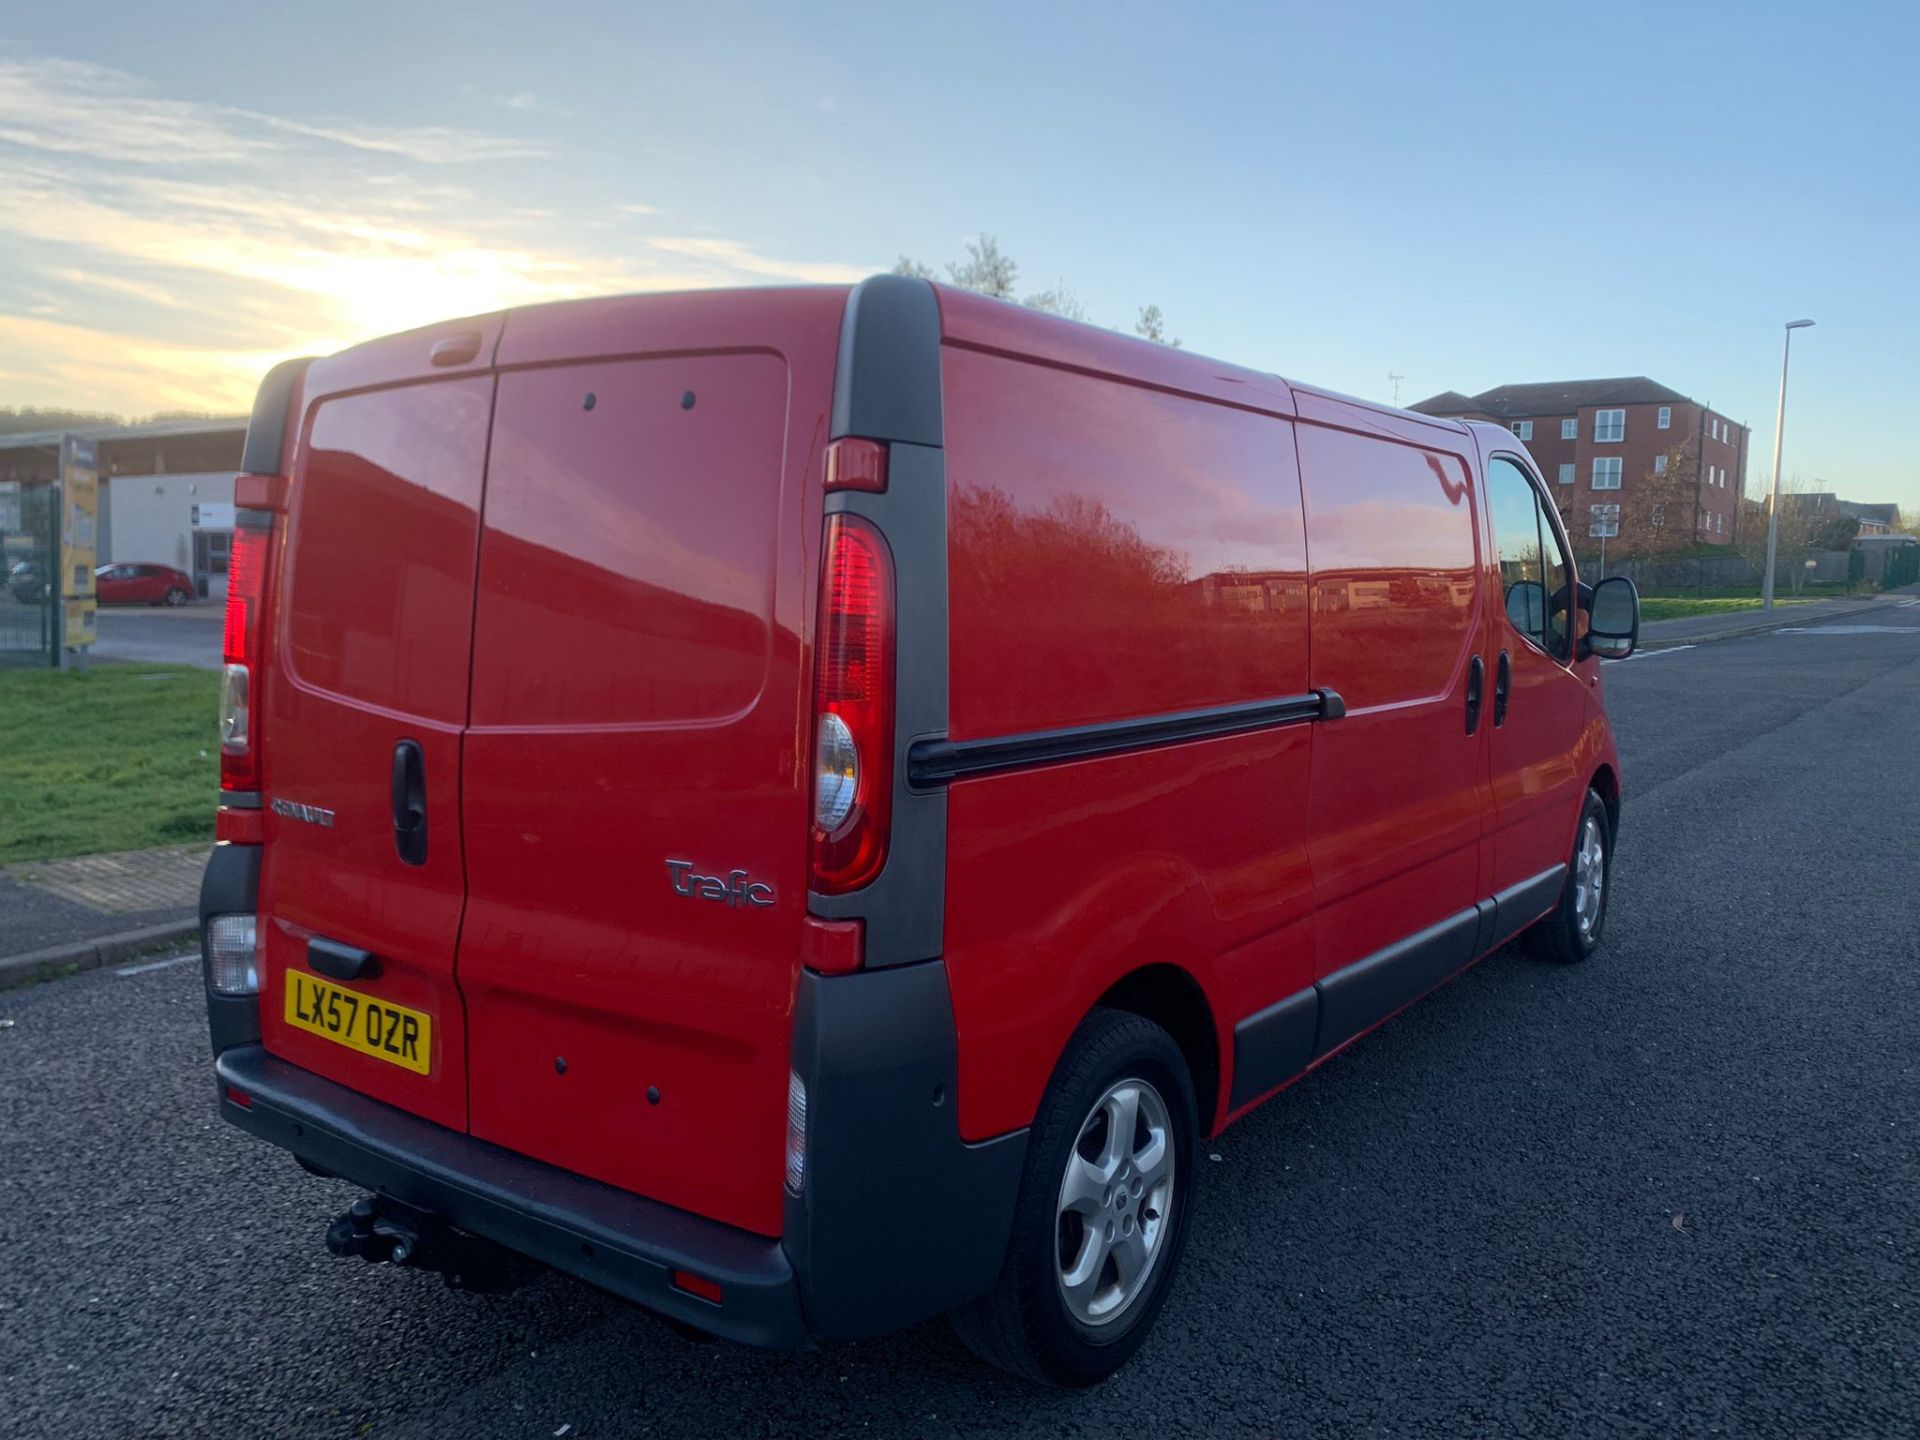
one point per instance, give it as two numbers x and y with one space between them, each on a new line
618 1241
899 1220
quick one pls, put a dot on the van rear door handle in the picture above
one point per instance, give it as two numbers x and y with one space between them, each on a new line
1502 683
340 962
410 803
1476 687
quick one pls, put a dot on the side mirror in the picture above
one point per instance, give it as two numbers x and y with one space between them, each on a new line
1613 621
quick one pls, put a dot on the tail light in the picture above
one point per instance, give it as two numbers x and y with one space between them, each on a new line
853 722
240 648
233 954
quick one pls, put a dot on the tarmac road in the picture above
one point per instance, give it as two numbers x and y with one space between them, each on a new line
1675 1191
189 635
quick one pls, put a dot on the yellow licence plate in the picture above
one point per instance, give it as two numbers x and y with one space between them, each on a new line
378 1028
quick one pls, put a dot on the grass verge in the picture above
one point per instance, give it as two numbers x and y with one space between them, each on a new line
1678 607
120 758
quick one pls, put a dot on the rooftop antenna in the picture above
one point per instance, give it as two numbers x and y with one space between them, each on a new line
1394 379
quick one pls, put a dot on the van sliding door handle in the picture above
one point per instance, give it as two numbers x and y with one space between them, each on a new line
410 803
1502 683
1476 688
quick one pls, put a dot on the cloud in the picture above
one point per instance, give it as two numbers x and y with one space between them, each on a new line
72 107
170 251
732 253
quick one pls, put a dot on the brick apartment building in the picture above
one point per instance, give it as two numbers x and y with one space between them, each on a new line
1593 439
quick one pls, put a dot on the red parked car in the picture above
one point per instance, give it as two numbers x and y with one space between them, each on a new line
141 584
802 807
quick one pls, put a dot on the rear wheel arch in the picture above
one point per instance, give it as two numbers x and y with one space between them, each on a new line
1175 1000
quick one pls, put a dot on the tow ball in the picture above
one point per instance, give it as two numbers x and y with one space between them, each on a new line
382 1231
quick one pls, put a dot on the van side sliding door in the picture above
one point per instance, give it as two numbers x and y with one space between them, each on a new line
1397 789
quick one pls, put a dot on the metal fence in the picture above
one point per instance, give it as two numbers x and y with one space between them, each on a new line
30 610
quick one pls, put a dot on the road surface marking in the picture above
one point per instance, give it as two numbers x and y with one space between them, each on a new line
1664 650
156 964
1847 630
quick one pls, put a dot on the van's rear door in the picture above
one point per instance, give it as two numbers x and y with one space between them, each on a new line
367 696
652 520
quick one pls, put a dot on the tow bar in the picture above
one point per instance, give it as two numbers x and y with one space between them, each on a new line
382 1231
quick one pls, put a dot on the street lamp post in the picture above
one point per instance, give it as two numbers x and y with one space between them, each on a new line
1773 496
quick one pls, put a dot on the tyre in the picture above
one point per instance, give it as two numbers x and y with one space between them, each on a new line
1102 1212
1573 931
177 596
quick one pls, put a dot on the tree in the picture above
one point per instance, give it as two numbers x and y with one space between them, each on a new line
1657 509
989 270
1059 301
1152 325
1800 530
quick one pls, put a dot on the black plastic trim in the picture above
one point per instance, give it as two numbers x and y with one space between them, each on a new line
230 885
899 1219
936 762
887 388
240 799
1518 906
1362 994
608 1237
267 426
887 381
1273 1046
340 962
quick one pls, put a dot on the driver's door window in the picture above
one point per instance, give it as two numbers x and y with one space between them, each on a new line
1516 533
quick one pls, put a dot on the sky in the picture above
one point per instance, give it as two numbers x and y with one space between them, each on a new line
1461 195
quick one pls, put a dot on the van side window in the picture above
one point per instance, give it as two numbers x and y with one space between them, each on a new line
1516 534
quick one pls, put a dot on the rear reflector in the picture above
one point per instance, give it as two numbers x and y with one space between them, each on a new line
697 1285
830 947
853 699
240 1098
856 465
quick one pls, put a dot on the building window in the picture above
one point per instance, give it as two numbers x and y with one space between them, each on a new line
1659 464
1716 427
1566 472
1609 425
1606 472
1666 417
1523 428
1603 522
1569 429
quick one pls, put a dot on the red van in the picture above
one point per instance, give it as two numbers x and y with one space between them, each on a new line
802 807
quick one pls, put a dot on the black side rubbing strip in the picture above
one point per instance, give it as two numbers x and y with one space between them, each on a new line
267 426
1273 1046
935 762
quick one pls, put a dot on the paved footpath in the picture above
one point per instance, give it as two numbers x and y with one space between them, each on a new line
57 911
